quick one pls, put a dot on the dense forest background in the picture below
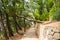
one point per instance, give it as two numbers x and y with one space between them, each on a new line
14 14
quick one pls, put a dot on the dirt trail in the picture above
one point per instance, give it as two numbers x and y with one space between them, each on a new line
30 35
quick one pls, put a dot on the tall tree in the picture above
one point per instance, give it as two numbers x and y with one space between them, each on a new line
3 27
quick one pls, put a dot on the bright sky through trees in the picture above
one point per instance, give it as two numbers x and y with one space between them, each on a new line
27 0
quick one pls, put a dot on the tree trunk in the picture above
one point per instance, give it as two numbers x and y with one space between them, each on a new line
16 24
3 28
8 25
24 25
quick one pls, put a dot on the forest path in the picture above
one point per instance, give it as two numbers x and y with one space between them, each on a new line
30 35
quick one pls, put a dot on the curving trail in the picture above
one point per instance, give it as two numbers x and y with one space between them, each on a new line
30 35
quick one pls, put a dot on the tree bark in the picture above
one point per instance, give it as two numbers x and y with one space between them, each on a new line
3 28
16 24
8 26
24 25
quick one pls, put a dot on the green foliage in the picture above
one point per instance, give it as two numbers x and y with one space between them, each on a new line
56 15
45 15
47 10
36 14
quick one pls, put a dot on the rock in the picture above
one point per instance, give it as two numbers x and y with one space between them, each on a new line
56 36
50 31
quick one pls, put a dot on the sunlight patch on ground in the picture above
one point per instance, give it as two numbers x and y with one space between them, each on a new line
29 39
